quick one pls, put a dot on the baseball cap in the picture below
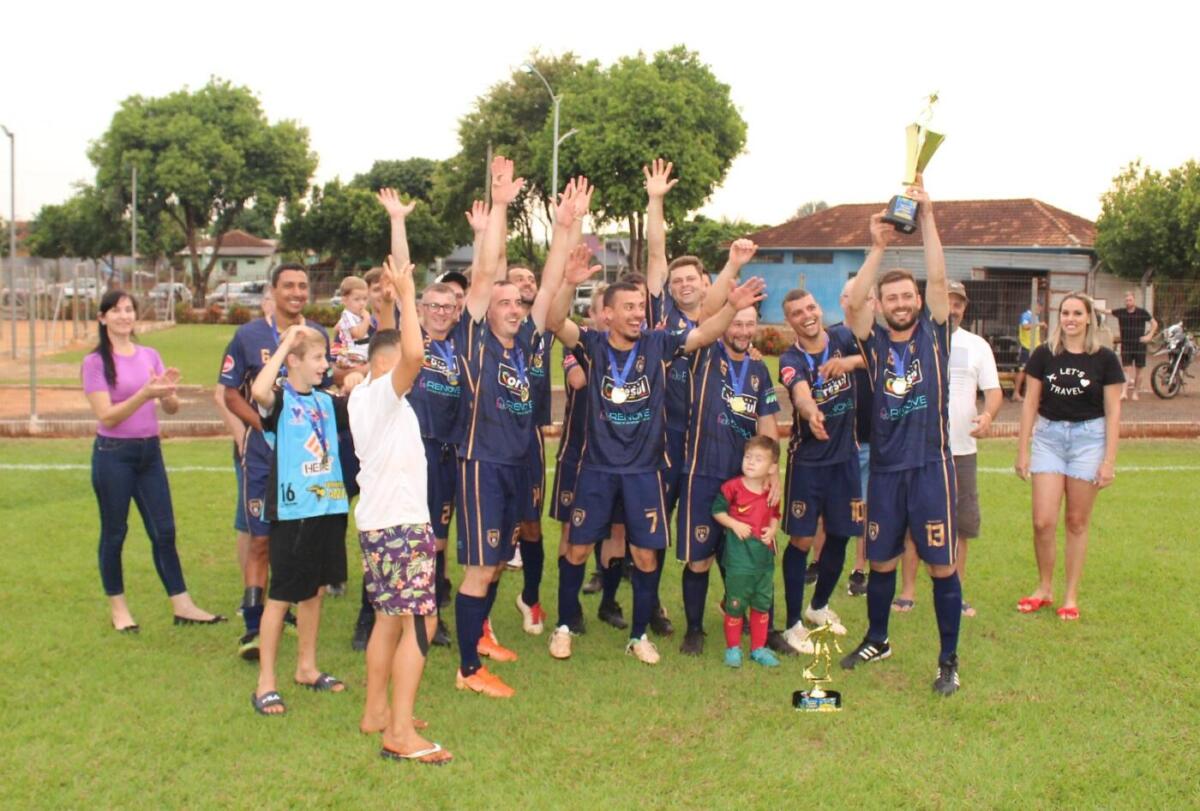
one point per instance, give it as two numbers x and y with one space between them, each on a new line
957 289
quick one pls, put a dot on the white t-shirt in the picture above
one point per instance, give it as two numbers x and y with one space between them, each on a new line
350 347
391 456
972 369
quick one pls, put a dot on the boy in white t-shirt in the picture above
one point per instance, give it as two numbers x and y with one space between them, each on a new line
354 327
392 516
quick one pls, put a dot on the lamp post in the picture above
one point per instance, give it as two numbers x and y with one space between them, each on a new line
12 234
529 68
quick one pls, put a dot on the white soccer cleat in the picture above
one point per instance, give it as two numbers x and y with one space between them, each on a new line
515 562
560 643
820 616
797 638
532 617
643 649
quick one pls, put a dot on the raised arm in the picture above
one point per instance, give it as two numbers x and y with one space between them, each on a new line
263 387
477 218
504 191
576 271
860 315
658 183
398 212
412 345
566 218
747 294
937 293
740 252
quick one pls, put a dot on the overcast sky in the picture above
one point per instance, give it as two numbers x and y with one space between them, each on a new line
1045 100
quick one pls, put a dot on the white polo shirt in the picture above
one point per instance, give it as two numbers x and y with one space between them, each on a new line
972 369
391 456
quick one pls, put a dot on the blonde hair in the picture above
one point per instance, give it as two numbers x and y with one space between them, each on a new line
350 284
1091 340
308 340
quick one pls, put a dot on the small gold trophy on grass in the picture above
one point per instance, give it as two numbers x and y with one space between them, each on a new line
921 143
818 699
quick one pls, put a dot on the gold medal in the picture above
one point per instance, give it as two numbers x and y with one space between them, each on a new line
452 379
525 394
738 404
900 386
619 395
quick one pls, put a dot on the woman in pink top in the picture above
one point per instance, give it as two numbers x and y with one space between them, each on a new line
123 382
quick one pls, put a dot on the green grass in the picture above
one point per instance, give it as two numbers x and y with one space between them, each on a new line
194 349
1100 713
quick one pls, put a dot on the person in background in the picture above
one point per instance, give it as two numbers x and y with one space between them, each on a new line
1029 336
352 333
1138 328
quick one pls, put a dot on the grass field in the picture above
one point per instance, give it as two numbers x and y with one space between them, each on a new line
1099 713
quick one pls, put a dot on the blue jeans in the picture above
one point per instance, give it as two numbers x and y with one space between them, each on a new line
125 469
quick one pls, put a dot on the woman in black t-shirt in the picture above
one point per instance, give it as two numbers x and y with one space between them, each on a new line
1072 411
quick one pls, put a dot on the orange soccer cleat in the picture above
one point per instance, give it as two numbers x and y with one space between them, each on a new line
490 647
485 683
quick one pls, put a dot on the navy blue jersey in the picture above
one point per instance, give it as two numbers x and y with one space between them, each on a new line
539 368
306 478
248 351
627 436
862 398
910 384
720 424
496 415
570 444
437 391
835 397
678 385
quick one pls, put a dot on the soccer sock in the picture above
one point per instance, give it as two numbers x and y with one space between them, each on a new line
596 553
881 588
611 580
661 555
440 585
252 608
695 591
533 556
469 614
490 599
758 629
794 562
570 580
833 557
366 614
733 632
947 604
645 597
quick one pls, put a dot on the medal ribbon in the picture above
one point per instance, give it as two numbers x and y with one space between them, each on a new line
900 362
812 368
447 355
316 418
619 379
736 381
519 361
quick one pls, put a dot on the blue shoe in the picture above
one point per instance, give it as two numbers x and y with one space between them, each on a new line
764 657
733 657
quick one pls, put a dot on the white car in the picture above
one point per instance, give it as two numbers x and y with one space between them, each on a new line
244 294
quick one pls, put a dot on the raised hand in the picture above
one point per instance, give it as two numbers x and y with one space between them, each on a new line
741 252
504 188
658 178
564 212
577 270
748 293
917 192
477 217
881 232
400 279
835 367
156 387
171 376
583 197
396 208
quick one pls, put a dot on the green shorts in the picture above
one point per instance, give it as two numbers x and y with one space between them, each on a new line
749 589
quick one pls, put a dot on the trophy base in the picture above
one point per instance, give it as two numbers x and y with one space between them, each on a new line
902 214
824 701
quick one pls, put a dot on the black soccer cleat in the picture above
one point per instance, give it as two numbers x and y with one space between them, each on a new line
777 643
577 626
867 651
595 584
444 588
856 584
612 614
441 637
660 623
362 635
810 574
693 643
946 682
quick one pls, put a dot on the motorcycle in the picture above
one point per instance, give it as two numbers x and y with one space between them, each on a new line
1168 378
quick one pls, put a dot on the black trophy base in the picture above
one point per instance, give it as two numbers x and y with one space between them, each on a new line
828 701
902 214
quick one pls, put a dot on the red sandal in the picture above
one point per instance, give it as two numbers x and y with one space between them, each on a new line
1027 605
1066 613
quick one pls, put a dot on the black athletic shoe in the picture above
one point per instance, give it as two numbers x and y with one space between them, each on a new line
248 647
335 590
595 583
660 623
777 643
362 635
810 574
946 682
612 614
290 619
856 584
867 651
441 636
444 600
577 627
693 643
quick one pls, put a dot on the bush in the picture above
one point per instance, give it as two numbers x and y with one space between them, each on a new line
771 341
213 314
184 314
239 315
323 314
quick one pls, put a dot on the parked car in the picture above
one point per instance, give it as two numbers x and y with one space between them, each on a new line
583 299
85 287
162 291
242 294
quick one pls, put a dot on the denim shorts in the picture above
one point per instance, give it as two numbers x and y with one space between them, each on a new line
1073 449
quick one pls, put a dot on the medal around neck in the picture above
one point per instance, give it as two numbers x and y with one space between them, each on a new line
817 698
619 395
920 144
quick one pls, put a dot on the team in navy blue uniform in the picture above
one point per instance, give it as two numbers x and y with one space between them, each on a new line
249 350
912 486
624 440
732 399
823 466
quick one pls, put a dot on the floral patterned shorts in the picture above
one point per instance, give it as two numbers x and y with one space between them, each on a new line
400 569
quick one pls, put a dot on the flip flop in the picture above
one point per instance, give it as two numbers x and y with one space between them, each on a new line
1066 613
902 606
1027 605
968 610
267 699
323 683
425 756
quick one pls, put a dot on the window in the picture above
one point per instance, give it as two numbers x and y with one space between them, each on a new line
229 267
767 258
251 261
812 257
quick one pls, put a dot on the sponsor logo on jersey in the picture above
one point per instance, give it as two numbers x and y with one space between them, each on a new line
254 507
577 517
334 491
227 365
566 497
799 508
702 533
873 531
911 378
635 390
493 538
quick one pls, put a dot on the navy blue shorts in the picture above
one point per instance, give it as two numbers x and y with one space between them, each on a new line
535 461
698 533
254 482
566 474
441 474
920 500
673 476
239 512
603 499
488 505
832 492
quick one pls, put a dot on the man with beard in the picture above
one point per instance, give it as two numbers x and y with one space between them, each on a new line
624 441
823 480
912 486
732 399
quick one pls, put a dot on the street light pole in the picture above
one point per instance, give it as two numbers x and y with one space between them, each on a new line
12 235
133 235
529 68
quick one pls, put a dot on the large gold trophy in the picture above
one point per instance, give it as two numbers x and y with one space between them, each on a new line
818 699
921 143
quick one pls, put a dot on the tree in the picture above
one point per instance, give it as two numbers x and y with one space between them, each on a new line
86 225
202 159
1150 223
671 106
412 178
809 208
259 219
707 239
